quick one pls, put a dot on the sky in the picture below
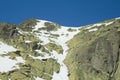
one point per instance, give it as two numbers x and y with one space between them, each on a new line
64 12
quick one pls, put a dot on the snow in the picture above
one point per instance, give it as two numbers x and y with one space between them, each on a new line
7 64
28 41
40 24
63 74
37 78
20 32
4 48
117 18
43 38
61 40
46 56
98 24
109 23
91 26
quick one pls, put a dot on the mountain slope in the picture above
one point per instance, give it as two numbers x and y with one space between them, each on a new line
42 47
94 52
43 50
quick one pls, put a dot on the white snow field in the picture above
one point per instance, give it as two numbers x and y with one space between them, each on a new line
7 64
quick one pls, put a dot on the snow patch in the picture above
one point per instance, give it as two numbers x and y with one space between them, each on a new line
20 32
117 18
37 78
46 37
61 40
40 24
91 26
106 24
4 48
43 38
62 75
46 56
98 24
7 64
27 41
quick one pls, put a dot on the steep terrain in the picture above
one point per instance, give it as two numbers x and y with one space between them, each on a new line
43 50
34 50
94 52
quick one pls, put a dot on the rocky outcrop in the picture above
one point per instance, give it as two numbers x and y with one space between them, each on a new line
7 30
95 55
29 47
92 54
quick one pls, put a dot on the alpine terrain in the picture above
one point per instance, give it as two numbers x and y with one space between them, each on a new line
43 50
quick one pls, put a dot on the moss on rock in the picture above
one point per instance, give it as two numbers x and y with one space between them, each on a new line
57 48
94 54
28 24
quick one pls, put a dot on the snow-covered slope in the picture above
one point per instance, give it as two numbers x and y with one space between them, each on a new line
45 32
4 48
7 64
64 36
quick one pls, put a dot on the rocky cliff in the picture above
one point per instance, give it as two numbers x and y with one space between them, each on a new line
94 52
43 50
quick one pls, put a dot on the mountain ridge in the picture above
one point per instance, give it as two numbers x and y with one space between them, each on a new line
44 50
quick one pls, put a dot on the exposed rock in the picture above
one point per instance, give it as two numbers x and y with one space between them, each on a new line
93 53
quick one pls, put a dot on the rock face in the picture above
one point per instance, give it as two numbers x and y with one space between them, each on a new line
94 55
29 48
43 50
